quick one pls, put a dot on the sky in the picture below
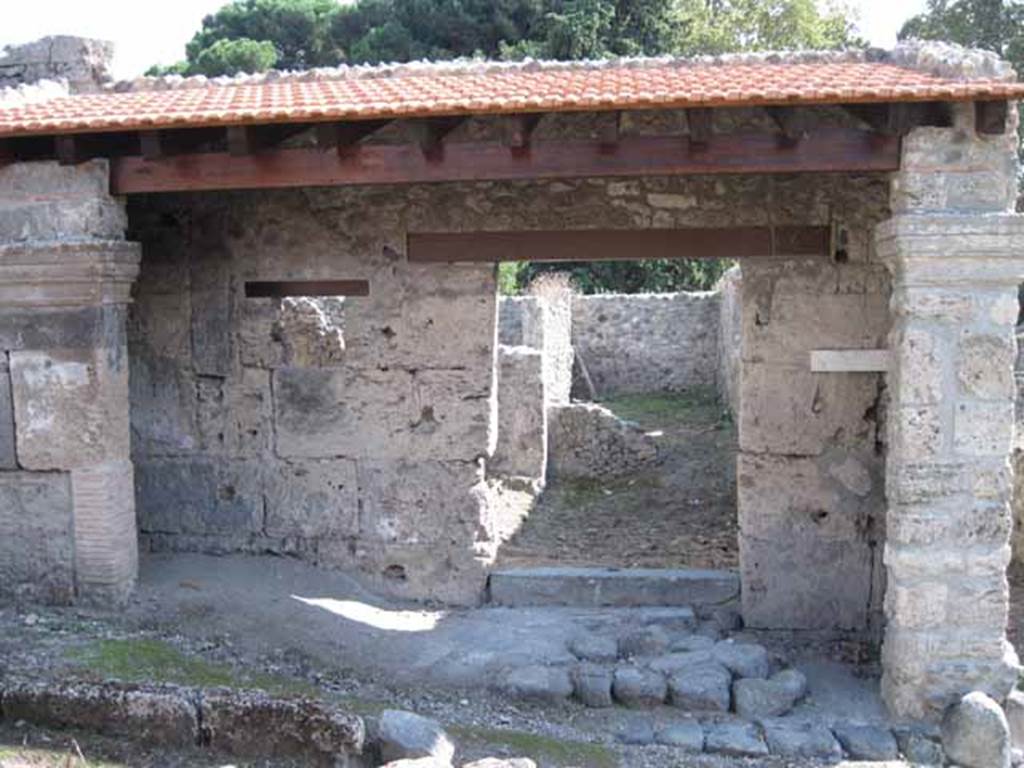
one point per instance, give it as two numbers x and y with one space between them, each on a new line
147 32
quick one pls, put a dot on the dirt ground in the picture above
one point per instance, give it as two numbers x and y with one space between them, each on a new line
681 513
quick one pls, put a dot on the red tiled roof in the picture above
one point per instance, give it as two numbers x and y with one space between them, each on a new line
426 92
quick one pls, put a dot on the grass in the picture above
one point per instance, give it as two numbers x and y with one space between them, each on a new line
542 749
154 661
650 410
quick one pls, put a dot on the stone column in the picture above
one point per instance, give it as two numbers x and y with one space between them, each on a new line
956 255
68 525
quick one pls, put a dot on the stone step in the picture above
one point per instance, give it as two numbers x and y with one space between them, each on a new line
616 587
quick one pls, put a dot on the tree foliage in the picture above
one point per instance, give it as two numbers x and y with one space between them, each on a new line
994 25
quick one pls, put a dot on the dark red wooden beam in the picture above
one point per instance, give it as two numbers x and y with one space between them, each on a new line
618 245
275 289
831 150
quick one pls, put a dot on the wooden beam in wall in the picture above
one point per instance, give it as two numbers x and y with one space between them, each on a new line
701 124
429 134
825 150
793 122
276 289
519 130
618 245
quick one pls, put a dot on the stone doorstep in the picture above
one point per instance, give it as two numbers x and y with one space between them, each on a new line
249 724
626 587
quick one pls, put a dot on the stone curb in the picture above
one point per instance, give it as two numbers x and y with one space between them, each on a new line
248 723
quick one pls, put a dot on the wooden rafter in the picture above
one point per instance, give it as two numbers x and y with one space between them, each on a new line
250 139
793 122
990 117
430 133
825 150
519 130
618 245
701 125
344 136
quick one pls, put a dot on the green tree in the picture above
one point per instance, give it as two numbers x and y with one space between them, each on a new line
229 57
994 25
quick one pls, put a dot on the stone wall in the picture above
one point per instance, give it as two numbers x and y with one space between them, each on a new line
522 446
83 63
67 522
375 457
660 342
589 441
809 474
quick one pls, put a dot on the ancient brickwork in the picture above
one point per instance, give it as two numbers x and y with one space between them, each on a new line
954 251
67 518
659 342
522 447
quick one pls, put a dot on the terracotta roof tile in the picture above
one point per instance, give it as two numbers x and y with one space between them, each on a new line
424 93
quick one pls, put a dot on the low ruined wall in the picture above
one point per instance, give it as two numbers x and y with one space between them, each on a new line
543 322
660 342
587 440
82 62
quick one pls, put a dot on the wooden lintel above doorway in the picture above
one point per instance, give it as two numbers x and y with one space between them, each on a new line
618 244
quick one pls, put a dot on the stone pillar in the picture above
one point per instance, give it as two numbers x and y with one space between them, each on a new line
68 524
956 255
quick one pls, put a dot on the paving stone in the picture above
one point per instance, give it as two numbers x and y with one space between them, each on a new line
673 619
866 742
743 659
404 735
735 739
593 685
975 733
710 630
417 762
502 762
636 687
592 647
794 681
646 641
801 740
636 730
539 683
701 687
689 643
671 663
684 734
918 747
754 697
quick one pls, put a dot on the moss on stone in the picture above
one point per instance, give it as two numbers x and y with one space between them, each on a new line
154 661
543 749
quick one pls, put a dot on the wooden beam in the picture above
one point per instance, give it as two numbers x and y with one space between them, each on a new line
701 124
69 150
250 139
345 136
429 134
610 132
276 289
519 130
618 244
792 122
990 117
825 150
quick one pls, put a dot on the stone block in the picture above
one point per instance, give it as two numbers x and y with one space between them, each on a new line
945 191
159 325
79 328
586 440
592 685
255 725
639 688
983 429
392 414
410 502
164 418
916 432
522 437
201 495
549 685
37 545
975 733
234 414
70 407
918 355
804 741
735 740
794 412
311 499
702 687
163 716
985 366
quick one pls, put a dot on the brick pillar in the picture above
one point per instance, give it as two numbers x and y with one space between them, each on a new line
65 277
956 256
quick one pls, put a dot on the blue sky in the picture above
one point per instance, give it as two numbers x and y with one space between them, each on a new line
155 31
